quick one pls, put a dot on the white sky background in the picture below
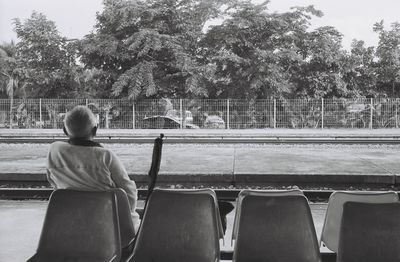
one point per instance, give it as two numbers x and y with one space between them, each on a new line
75 18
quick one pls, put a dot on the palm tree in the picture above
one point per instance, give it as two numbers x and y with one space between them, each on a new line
10 75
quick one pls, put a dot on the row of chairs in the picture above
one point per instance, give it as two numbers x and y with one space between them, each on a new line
277 226
184 225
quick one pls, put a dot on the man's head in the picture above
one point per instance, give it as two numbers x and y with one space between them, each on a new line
80 122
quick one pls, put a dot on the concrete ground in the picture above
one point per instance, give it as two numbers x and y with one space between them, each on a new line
237 159
327 160
21 224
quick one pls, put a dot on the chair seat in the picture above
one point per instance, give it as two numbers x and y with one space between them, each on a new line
80 226
247 192
370 232
275 228
179 225
333 217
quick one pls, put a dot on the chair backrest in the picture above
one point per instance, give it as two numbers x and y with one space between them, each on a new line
333 217
179 226
124 217
370 233
81 224
248 192
276 228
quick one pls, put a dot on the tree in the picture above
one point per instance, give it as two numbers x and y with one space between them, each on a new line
44 54
12 75
388 56
359 70
8 77
254 52
321 73
148 48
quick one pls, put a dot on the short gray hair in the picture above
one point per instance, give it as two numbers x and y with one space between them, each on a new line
79 122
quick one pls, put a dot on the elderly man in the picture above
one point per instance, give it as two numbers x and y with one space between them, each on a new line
84 164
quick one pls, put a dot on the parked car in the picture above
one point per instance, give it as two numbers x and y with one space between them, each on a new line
164 122
356 108
176 114
214 122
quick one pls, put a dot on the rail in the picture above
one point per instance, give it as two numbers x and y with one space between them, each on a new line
225 139
232 181
222 194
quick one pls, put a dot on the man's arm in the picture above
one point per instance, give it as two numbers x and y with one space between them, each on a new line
49 179
48 165
122 180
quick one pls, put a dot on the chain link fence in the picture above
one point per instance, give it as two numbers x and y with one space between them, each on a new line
206 113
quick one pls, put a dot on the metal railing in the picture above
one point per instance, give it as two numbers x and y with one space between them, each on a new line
207 113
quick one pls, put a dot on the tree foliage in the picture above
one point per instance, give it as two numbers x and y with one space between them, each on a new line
45 57
255 52
163 49
320 73
388 55
148 48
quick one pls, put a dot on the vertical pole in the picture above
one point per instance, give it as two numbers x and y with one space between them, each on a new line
107 119
322 113
40 111
370 114
87 102
11 104
133 116
396 120
227 114
274 113
181 110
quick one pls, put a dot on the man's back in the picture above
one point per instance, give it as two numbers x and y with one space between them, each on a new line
89 167
83 167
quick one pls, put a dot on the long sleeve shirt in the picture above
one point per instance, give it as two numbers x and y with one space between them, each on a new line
89 168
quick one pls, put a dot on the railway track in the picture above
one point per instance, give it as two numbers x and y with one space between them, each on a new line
27 186
229 139
222 194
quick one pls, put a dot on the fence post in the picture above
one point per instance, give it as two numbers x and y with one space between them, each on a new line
396 120
227 114
87 102
181 110
370 114
322 113
274 113
11 105
133 115
40 111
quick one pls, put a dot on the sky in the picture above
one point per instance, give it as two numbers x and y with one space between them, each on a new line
76 18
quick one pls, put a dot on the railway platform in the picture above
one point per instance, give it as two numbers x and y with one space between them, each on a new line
230 165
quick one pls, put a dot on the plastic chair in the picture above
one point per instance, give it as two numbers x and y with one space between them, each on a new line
179 225
127 230
333 217
246 192
370 233
80 226
275 229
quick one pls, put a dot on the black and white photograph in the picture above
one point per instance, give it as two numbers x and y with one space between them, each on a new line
199 131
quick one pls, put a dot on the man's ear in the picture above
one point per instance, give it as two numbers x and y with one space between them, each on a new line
65 131
94 131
